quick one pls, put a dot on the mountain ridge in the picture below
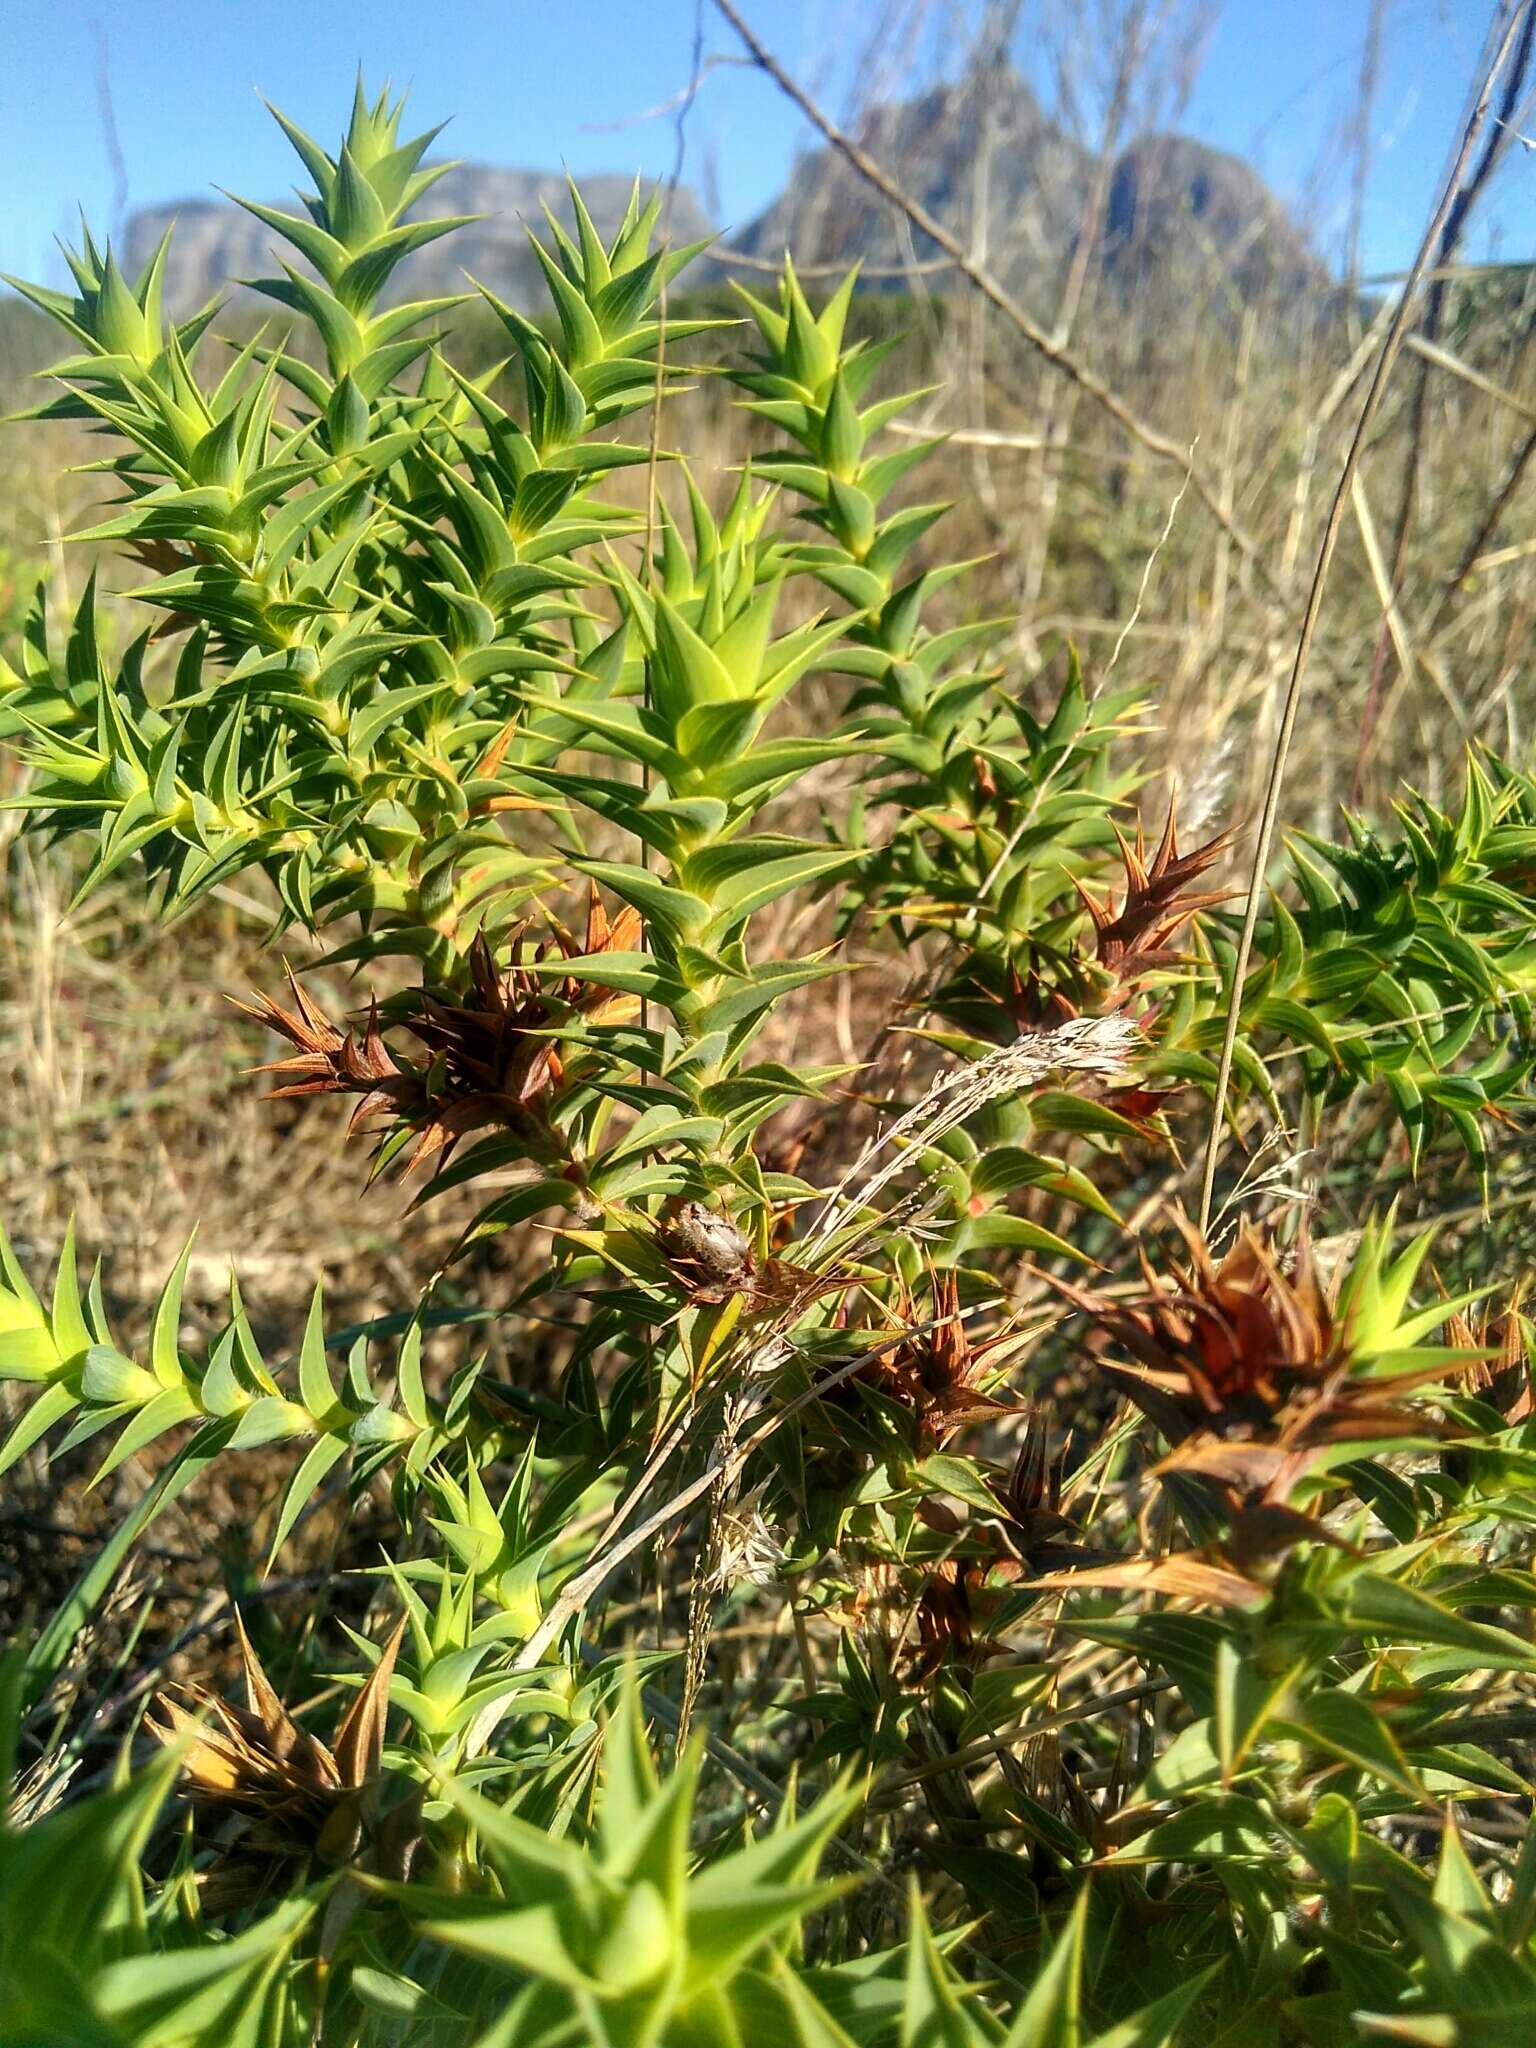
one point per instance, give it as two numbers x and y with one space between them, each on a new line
980 154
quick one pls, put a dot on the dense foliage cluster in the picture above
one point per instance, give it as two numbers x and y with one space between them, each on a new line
1178 1579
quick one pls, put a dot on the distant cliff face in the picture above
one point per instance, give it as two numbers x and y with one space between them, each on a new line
1176 205
980 155
216 244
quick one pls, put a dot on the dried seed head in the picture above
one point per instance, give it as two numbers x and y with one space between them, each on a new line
750 1554
713 1261
710 1255
1206 790
709 1240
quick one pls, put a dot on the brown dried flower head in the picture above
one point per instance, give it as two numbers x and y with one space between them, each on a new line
1240 1361
1034 1536
935 1371
296 1794
494 1059
1158 899
1500 1374
945 1624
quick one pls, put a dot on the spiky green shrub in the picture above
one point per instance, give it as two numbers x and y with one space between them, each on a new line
1171 1587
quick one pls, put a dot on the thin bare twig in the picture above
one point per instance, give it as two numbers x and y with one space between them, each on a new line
111 140
963 437
1151 562
1026 1730
1517 44
1365 107
682 99
1443 359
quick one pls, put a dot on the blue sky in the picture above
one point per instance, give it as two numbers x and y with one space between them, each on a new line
541 82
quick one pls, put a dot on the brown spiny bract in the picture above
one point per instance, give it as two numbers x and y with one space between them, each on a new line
1156 905
494 1057
331 1060
1240 1363
294 1794
934 1372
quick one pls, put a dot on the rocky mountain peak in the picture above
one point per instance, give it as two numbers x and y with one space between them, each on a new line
979 153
